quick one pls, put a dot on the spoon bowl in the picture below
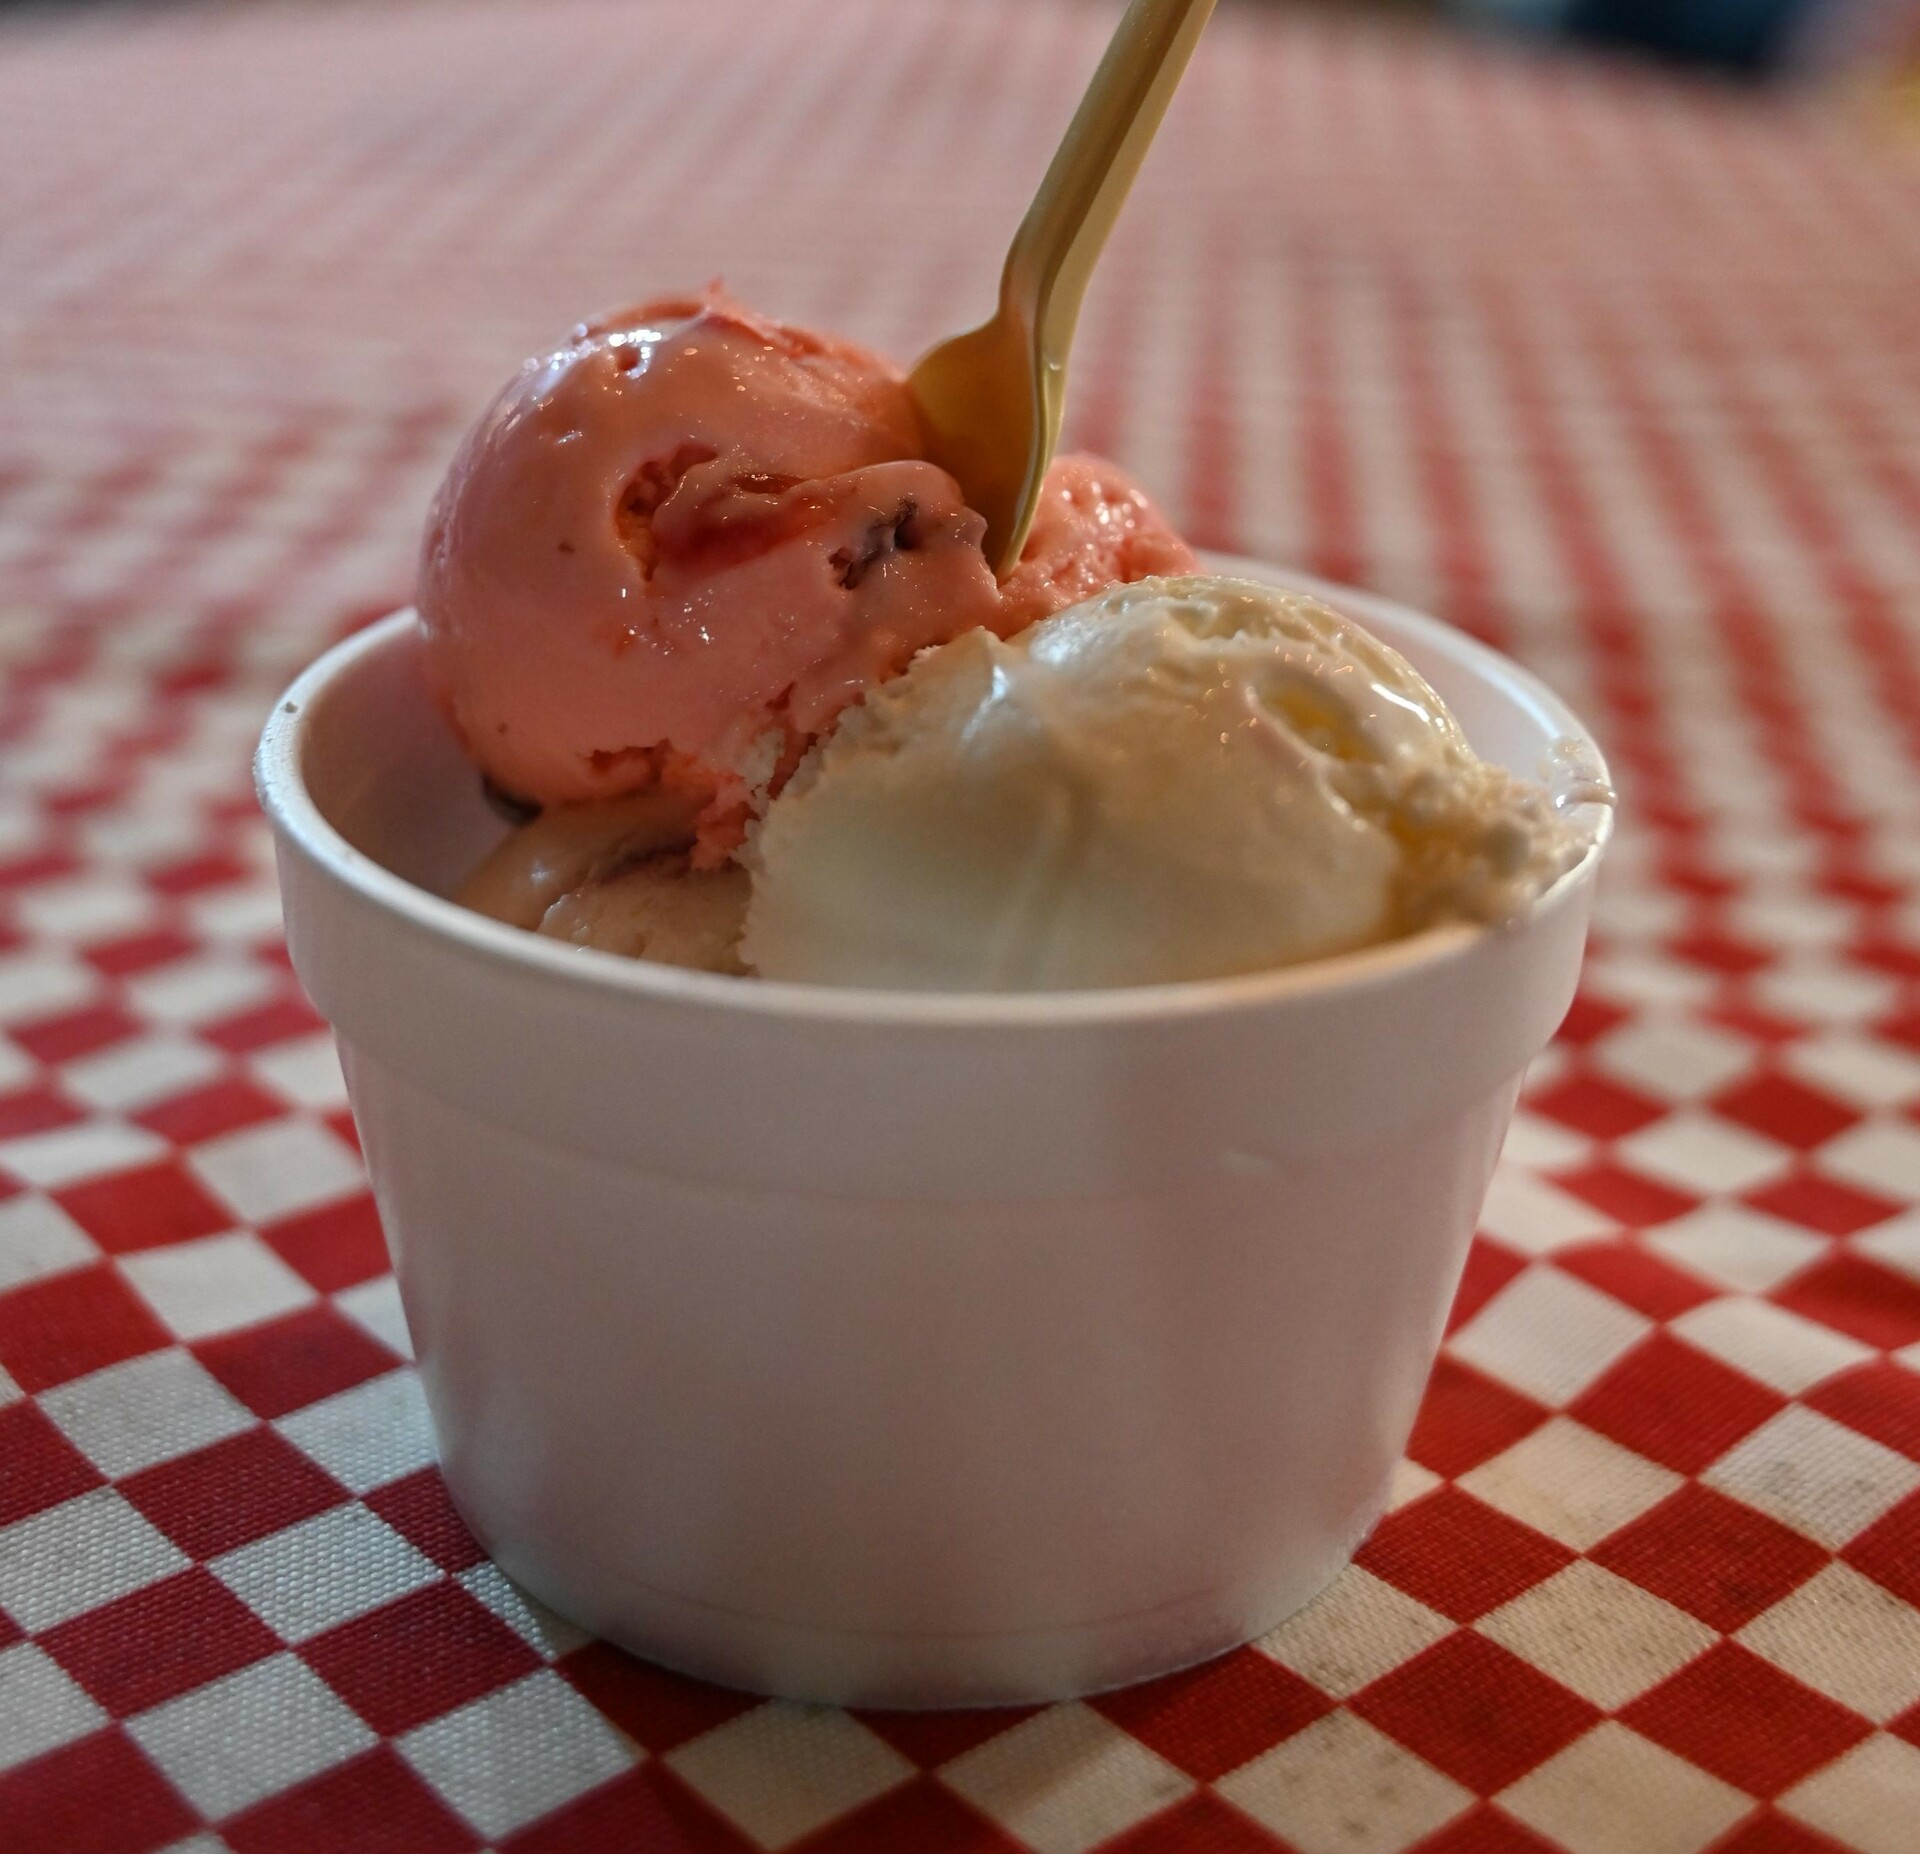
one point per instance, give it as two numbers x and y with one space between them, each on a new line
992 398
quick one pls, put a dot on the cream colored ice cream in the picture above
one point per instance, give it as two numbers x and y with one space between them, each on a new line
1180 779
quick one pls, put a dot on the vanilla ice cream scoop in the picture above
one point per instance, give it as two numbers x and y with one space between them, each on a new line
1180 779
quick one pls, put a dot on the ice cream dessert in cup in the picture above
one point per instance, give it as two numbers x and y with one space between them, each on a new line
927 1123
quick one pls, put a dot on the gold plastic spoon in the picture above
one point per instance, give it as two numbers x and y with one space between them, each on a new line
992 398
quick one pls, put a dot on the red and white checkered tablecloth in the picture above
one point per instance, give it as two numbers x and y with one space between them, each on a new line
1620 374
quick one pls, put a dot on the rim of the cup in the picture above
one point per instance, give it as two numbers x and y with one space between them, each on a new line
280 782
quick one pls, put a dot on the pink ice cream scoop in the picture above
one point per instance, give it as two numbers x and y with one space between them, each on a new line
678 546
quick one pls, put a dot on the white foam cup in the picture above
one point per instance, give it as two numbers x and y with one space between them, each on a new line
895 1349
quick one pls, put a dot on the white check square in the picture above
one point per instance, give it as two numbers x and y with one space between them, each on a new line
148 1410
1528 1214
1570 1483
1824 991
1815 1475
1549 1335
270 1171
374 1306
91 1149
1847 1637
248 1736
324 1571
1354 1631
37 1239
1894 1244
78 1555
369 1435
43 984
1607 1639
1769 1343
783 1770
215 1285
1697 1151
305 1071
125 1077
1543 1145
197 990
1868 1800
1672 1059
1859 1069
240 911
40 1708
549 1635
1065 1780
1614 1792
517 1754
1737 1248
1341 1787
1879 1155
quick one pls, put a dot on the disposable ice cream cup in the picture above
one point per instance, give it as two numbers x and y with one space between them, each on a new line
904 1349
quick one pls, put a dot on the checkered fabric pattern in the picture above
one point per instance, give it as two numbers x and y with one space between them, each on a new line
1621 375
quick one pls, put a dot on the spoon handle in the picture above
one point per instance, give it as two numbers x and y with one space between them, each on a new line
1059 241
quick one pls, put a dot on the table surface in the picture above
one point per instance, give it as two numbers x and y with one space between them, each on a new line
1622 375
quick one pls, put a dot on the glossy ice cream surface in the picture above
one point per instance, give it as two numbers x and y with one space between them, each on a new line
675 548
1180 779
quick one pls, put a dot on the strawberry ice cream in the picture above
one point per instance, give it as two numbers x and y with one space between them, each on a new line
677 547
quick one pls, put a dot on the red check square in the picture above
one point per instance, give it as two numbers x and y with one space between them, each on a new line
654 1707
1742 1719
1484 1830
646 1808
428 1653
195 873
1786 1110
1716 1558
1489 1268
1807 1196
1768 1833
36 1110
1880 1399
99 1796
39 1467
221 1107
1720 952
71 1324
931 1739
1467 1418
1213 1718
226 1496
140 952
75 1033
1459 1556
144 1208
1672 1403
1588 1018
925 1816
1889 1550
417 1507
1593 1105
336 1246
1625 1196
1476 1711
160 1641
1634 1275
290 1363
372 1805
1857 1296
277 1022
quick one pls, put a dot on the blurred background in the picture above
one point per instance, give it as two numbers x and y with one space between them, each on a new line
1765 38
1769 39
